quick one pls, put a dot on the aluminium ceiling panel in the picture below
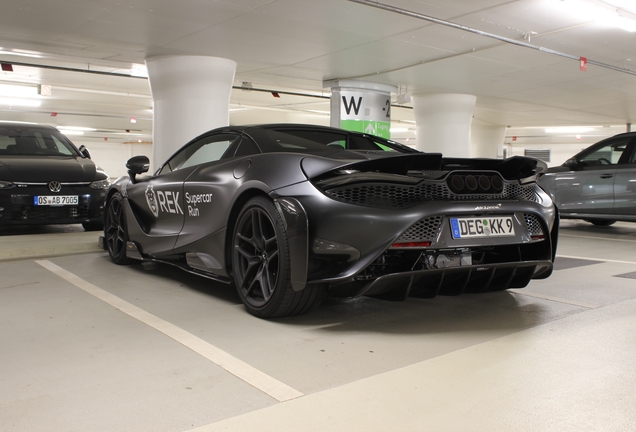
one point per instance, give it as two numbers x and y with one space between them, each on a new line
444 39
517 19
332 16
446 9
464 74
516 113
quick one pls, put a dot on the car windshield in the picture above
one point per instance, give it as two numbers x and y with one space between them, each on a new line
34 141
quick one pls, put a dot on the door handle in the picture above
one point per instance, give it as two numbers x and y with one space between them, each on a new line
607 176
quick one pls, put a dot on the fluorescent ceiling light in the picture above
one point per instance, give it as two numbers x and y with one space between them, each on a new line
76 128
71 132
626 5
603 12
139 70
20 102
21 122
18 90
569 130
21 53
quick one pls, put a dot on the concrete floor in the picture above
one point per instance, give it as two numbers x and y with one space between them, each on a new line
86 345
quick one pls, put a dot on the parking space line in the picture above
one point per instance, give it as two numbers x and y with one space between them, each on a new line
597 238
554 299
596 259
263 382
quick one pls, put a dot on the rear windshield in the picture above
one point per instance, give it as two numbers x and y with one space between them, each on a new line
30 141
315 141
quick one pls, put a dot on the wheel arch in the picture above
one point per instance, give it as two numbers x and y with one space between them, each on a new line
296 224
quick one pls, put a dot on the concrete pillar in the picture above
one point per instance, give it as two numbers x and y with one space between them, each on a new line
443 123
361 106
191 94
487 141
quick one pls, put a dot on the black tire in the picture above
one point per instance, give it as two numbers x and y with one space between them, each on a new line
93 226
116 231
261 264
602 222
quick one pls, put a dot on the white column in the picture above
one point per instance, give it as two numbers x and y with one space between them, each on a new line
487 141
191 94
443 123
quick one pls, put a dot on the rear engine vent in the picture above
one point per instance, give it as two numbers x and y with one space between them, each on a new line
392 195
533 225
386 195
426 229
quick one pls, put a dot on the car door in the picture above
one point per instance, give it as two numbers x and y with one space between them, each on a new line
159 201
588 187
625 183
206 190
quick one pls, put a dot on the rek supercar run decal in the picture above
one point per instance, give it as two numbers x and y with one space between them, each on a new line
168 202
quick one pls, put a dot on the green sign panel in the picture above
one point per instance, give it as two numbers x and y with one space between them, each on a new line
370 127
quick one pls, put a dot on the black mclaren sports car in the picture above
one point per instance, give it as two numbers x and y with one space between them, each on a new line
290 213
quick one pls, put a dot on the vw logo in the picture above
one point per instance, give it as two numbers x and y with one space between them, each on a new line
55 186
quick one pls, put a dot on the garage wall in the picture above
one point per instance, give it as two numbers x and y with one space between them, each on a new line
112 156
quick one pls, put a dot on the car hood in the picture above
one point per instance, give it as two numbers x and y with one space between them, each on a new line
36 169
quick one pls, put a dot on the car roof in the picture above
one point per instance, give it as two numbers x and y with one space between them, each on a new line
18 124
282 126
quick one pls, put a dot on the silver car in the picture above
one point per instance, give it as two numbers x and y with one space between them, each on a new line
598 184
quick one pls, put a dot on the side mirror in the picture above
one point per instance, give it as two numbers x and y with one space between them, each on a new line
137 165
84 151
571 163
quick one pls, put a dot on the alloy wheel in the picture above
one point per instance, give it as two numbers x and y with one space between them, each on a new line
256 252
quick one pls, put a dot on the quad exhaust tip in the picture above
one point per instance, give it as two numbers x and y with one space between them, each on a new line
468 183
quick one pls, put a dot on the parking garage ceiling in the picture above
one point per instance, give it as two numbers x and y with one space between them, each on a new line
293 46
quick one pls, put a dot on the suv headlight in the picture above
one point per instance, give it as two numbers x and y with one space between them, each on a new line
6 185
100 184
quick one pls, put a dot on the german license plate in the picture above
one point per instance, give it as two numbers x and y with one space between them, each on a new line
498 226
55 200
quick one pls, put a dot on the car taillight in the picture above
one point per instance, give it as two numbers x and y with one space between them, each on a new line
404 245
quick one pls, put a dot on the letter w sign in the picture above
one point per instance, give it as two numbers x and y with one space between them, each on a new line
352 104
